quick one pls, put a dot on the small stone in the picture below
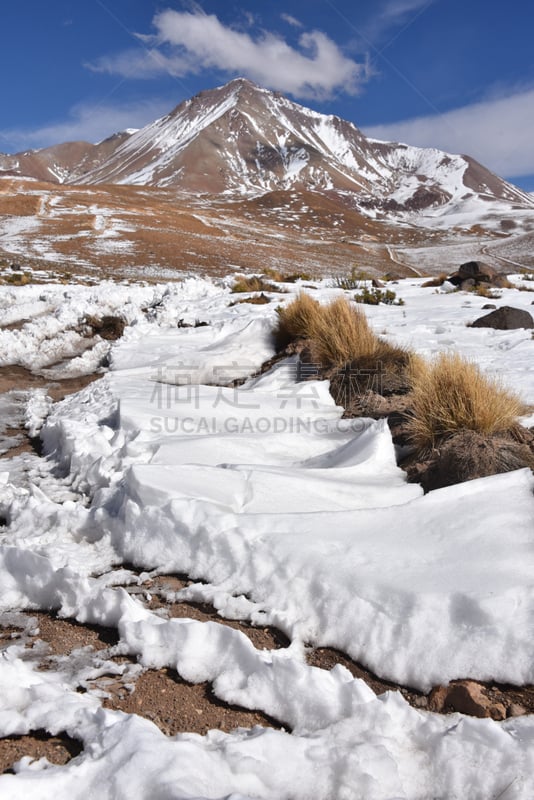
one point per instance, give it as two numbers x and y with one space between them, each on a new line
467 697
420 702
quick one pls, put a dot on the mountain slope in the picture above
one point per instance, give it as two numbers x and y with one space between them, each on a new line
61 163
240 140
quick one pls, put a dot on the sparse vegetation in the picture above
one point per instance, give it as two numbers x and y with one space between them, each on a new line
253 283
373 296
297 276
256 300
439 280
482 290
452 395
339 333
356 279
18 278
296 320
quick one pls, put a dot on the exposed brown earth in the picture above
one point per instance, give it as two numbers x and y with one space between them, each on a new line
16 377
40 744
130 231
19 378
175 706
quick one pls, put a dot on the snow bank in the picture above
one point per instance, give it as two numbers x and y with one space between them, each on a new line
288 515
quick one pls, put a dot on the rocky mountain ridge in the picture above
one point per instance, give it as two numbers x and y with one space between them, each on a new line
240 141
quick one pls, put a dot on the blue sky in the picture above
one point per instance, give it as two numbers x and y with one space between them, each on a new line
454 74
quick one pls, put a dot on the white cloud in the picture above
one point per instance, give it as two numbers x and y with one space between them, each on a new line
189 42
395 14
88 122
142 63
291 20
497 132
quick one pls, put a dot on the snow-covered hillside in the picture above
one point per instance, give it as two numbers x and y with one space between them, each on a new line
241 140
284 514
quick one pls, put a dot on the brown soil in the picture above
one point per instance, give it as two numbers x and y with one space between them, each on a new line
161 229
39 744
178 707
174 705
20 378
65 635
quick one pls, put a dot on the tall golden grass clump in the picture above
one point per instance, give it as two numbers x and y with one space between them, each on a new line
452 395
297 320
341 333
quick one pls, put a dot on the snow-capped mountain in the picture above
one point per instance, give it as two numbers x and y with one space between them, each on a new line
240 139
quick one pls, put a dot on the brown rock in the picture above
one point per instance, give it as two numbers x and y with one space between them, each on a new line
466 697
467 284
467 455
436 700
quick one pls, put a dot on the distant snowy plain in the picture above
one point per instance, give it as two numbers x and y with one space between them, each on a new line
285 515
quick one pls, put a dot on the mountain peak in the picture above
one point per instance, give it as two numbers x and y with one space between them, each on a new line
244 140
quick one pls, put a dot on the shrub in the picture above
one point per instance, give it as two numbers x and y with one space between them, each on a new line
255 300
339 331
19 278
452 395
483 290
354 280
373 297
297 276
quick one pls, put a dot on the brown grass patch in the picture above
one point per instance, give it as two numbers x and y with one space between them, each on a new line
439 280
341 333
255 300
452 395
296 320
254 283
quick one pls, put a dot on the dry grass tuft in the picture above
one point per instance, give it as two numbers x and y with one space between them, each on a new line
254 283
341 333
452 395
255 300
297 320
439 280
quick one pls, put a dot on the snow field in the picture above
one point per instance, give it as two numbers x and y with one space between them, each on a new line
303 522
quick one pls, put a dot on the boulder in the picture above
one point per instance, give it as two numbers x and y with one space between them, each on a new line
477 271
505 318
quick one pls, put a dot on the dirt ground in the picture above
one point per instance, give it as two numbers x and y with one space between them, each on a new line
161 695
